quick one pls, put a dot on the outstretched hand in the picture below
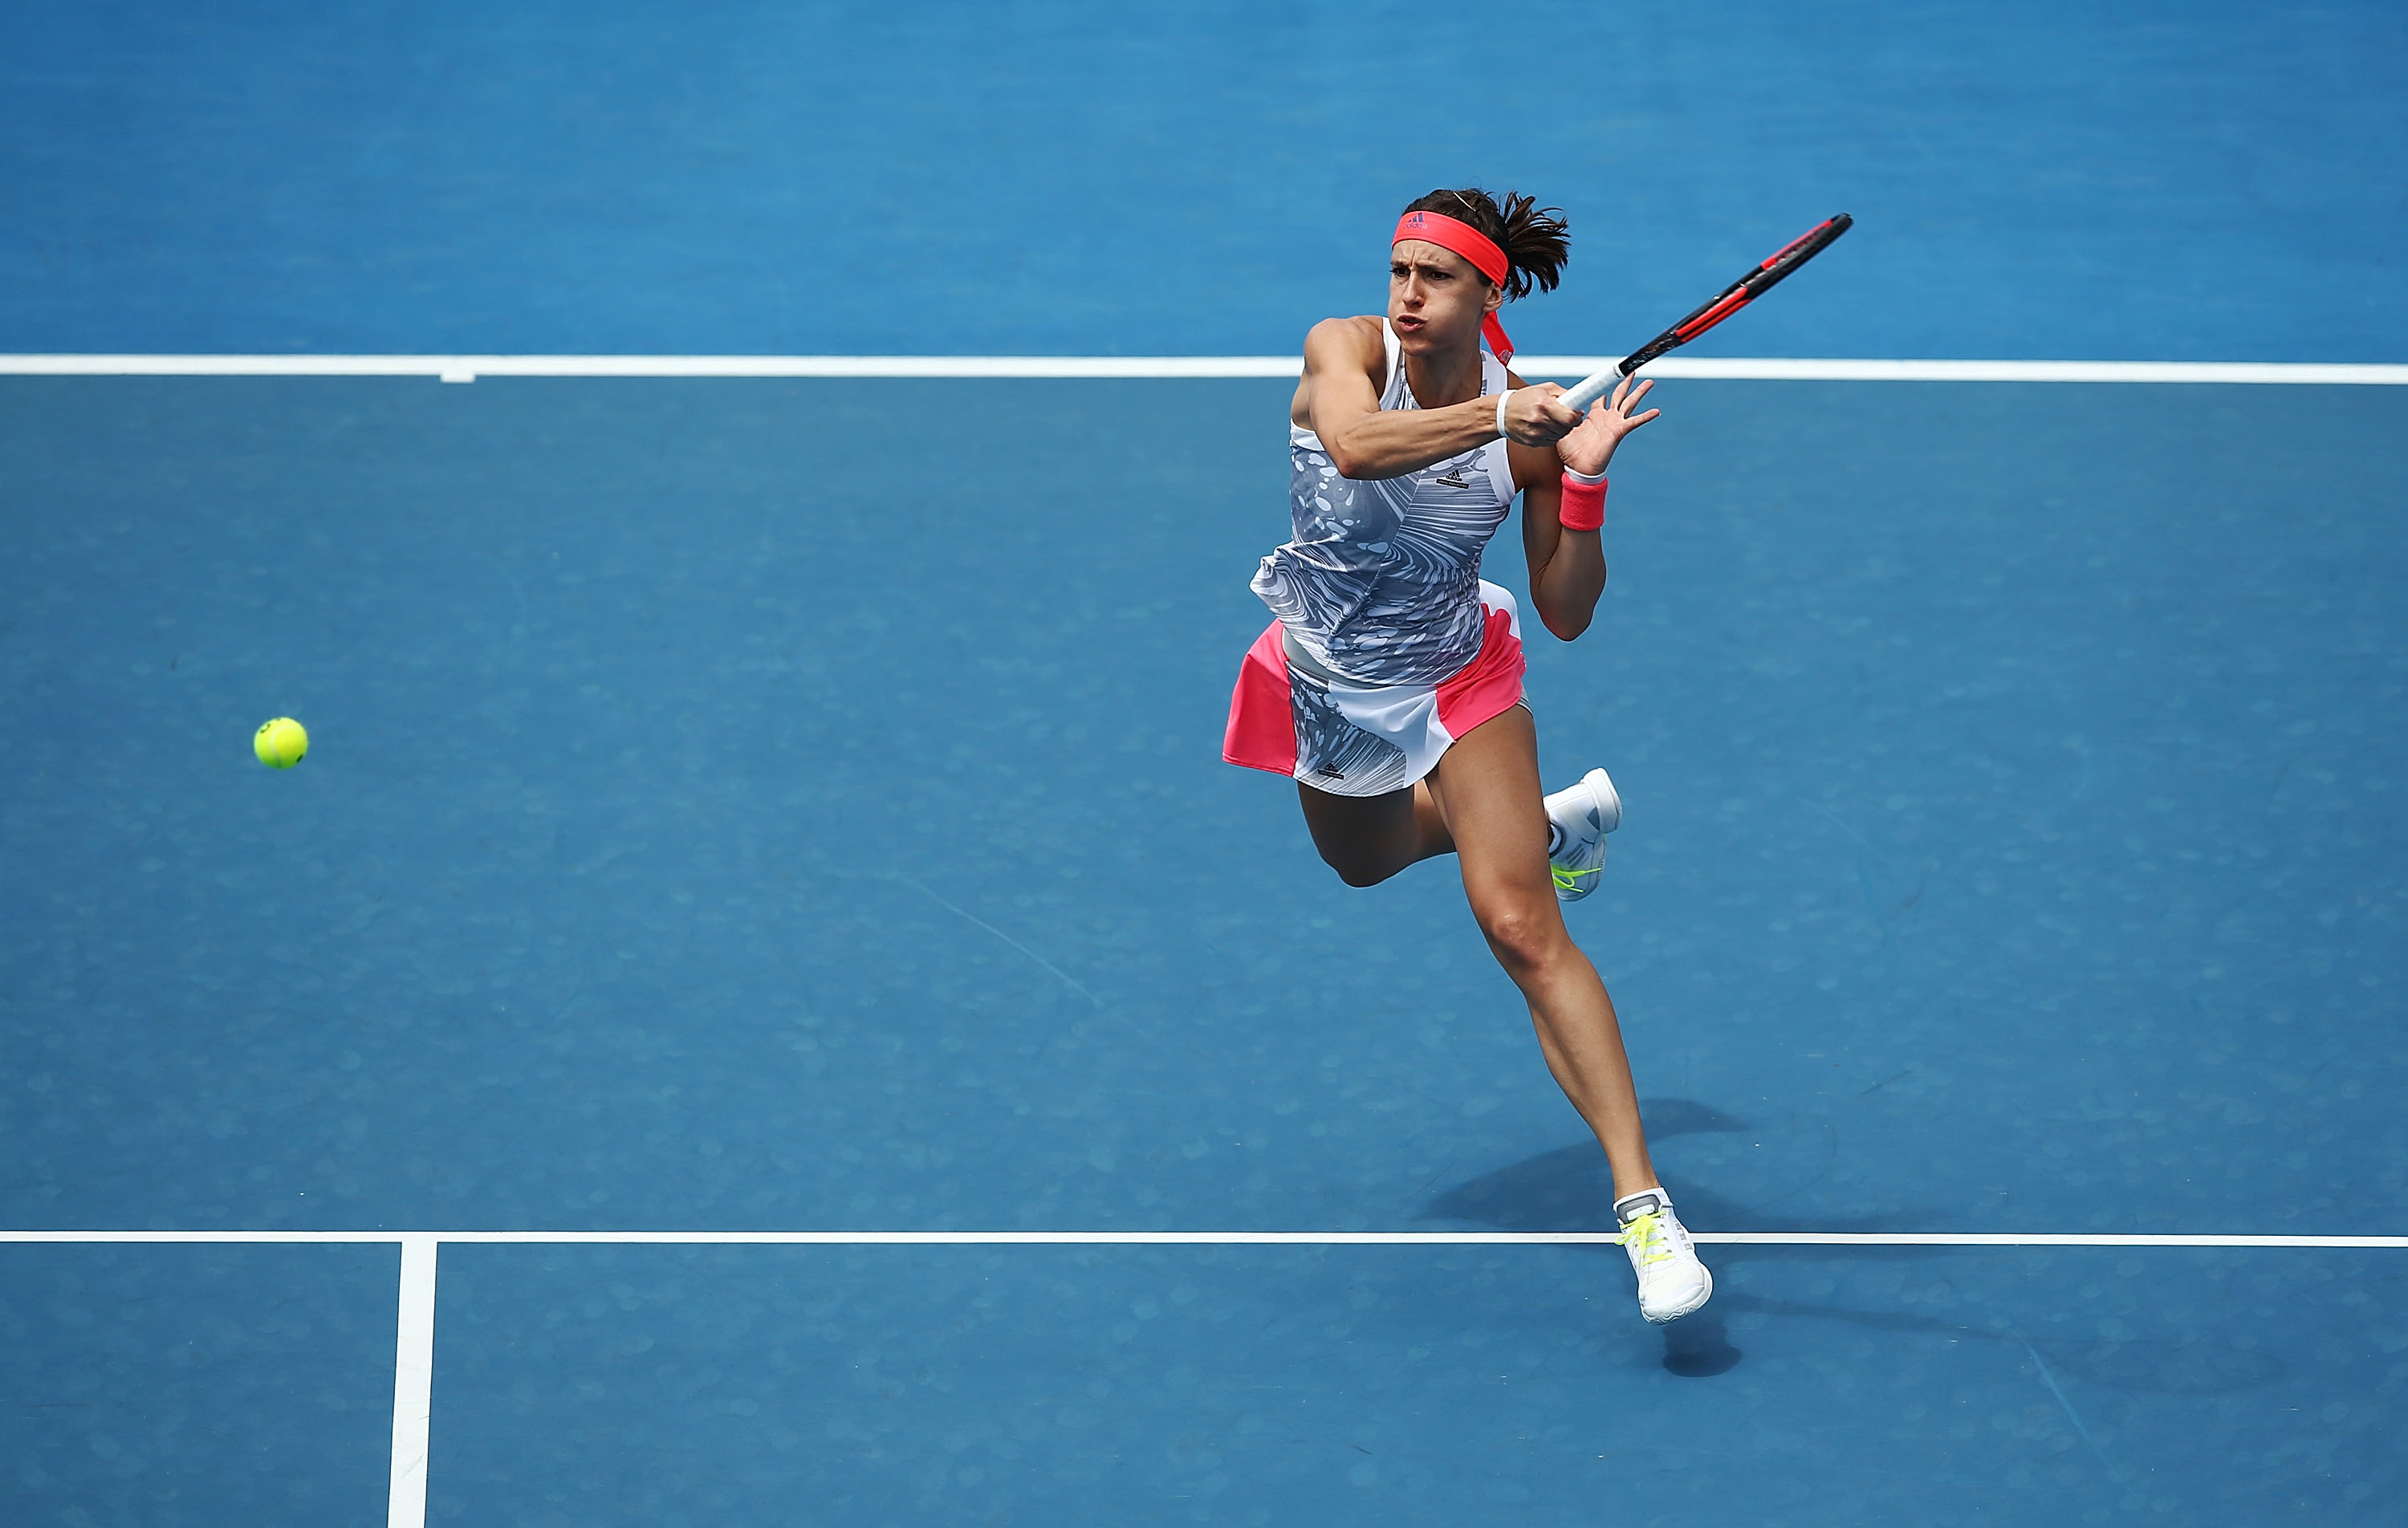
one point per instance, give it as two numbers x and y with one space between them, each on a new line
1588 447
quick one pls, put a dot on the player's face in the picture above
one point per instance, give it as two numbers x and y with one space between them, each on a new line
1436 297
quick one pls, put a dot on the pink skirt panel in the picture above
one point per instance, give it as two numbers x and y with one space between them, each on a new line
1262 718
1401 729
1489 685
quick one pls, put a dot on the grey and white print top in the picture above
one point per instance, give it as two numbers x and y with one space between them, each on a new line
1381 583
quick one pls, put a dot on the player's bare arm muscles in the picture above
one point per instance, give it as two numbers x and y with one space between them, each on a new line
1344 366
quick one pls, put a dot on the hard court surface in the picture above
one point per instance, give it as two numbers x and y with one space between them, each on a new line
794 805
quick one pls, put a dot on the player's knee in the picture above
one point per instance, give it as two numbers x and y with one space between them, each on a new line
1525 937
1356 871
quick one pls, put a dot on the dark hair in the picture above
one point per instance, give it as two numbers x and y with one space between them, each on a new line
1532 237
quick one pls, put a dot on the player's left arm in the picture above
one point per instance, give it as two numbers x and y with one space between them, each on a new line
1567 567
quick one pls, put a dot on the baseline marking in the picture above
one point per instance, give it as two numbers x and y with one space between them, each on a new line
467 368
428 1240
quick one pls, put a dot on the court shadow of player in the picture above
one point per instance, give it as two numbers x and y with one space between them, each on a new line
1699 1347
1570 1190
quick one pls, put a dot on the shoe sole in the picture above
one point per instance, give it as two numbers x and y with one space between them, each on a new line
1609 800
1692 1307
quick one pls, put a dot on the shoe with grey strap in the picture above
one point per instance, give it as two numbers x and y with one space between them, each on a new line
1672 1282
1580 816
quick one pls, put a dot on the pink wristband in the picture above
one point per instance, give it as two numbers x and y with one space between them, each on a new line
1584 507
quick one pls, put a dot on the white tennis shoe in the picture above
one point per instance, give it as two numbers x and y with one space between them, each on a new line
1583 814
1672 1282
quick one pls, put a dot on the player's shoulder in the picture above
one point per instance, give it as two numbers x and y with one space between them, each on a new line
1338 341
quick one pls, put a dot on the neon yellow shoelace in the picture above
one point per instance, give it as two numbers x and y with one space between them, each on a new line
1648 1236
1568 879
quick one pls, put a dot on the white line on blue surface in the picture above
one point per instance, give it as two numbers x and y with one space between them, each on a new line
467 368
1194 1239
413 1384
413 1372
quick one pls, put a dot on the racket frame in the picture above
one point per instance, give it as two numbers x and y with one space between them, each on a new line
1766 274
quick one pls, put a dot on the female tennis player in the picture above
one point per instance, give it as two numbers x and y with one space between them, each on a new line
1390 684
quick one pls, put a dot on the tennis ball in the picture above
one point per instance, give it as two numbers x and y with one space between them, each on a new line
280 743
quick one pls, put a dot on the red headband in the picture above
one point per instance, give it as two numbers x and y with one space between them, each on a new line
1454 234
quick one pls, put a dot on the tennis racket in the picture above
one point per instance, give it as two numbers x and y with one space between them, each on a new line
1747 289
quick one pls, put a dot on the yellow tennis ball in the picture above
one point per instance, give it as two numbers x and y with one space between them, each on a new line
280 743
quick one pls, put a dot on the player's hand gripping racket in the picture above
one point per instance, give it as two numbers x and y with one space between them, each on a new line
1733 297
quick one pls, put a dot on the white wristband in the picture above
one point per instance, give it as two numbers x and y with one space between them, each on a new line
1588 479
1500 410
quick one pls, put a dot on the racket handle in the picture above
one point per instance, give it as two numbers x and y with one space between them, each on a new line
1586 392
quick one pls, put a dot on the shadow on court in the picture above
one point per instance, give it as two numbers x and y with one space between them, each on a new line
1570 1188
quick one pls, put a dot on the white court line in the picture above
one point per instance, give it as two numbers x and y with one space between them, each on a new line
413 1370
413 1384
1184 1238
467 368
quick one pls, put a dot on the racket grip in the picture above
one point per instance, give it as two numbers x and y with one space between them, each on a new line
1590 388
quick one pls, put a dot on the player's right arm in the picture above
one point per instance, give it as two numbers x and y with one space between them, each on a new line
1345 366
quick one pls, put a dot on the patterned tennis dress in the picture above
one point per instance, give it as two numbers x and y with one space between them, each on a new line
1389 644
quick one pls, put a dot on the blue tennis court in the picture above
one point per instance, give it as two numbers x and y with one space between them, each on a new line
764 956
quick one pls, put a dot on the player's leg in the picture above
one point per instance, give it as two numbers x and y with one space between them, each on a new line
1487 790
1367 839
